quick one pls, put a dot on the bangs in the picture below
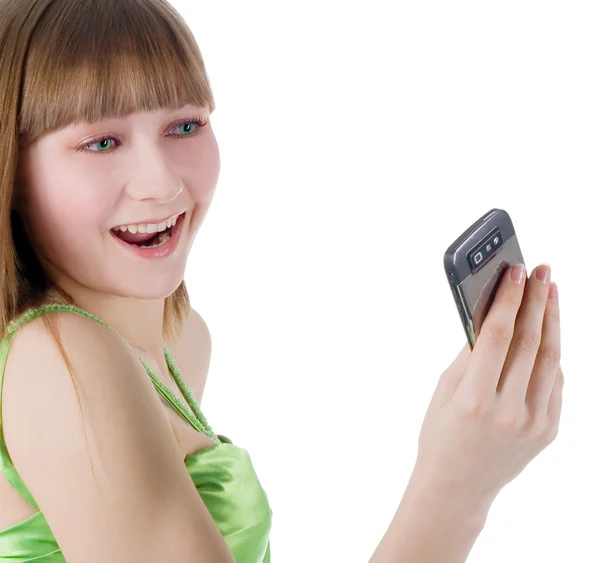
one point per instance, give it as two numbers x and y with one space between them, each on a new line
91 60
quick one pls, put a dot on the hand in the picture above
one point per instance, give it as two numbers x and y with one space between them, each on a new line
497 407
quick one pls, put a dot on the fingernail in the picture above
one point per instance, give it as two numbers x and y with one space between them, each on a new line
542 273
553 292
517 274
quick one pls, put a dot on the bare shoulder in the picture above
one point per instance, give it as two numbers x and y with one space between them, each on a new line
111 465
198 326
194 351
90 348
86 343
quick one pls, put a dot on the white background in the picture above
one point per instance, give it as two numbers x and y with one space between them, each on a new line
358 140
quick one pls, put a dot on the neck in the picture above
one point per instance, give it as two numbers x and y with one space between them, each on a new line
139 321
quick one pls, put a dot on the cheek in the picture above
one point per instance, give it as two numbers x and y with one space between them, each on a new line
205 173
64 218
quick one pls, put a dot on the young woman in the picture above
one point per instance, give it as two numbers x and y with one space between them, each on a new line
108 165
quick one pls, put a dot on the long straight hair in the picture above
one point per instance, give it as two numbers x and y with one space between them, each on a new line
71 61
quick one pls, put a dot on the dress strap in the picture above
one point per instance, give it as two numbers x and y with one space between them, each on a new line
191 413
194 416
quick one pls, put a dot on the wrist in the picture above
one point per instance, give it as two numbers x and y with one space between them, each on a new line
448 502
431 525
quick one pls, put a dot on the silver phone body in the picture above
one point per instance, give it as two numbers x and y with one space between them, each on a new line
475 263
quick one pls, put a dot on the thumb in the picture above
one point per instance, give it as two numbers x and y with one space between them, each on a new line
450 378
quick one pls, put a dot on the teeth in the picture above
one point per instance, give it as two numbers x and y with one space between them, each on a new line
149 228
162 239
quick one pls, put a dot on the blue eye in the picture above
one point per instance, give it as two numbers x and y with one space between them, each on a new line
102 142
195 125
189 123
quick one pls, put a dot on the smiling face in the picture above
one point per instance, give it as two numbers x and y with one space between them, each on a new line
79 182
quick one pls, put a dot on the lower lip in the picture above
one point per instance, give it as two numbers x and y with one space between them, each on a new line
160 251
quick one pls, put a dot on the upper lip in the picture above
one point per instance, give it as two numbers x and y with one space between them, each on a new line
151 221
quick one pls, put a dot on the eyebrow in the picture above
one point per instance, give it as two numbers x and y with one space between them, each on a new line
83 125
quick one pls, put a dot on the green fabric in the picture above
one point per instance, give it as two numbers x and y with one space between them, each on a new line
223 475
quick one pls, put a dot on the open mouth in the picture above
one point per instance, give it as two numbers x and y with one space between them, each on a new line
149 240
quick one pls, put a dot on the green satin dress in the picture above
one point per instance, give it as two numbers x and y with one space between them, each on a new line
223 475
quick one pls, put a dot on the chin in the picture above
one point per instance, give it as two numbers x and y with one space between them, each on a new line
150 294
151 289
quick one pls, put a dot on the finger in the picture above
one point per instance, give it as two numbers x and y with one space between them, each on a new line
547 363
527 337
555 404
491 347
451 377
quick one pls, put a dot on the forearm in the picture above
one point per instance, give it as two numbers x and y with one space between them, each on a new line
430 527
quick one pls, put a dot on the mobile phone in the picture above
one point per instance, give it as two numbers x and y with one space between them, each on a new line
475 263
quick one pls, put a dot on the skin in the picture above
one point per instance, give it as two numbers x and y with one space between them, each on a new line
494 409
71 199
63 192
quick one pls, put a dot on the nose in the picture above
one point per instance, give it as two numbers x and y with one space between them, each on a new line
154 177
163 191
172 197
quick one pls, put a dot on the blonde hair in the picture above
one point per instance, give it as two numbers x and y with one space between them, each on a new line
68 61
